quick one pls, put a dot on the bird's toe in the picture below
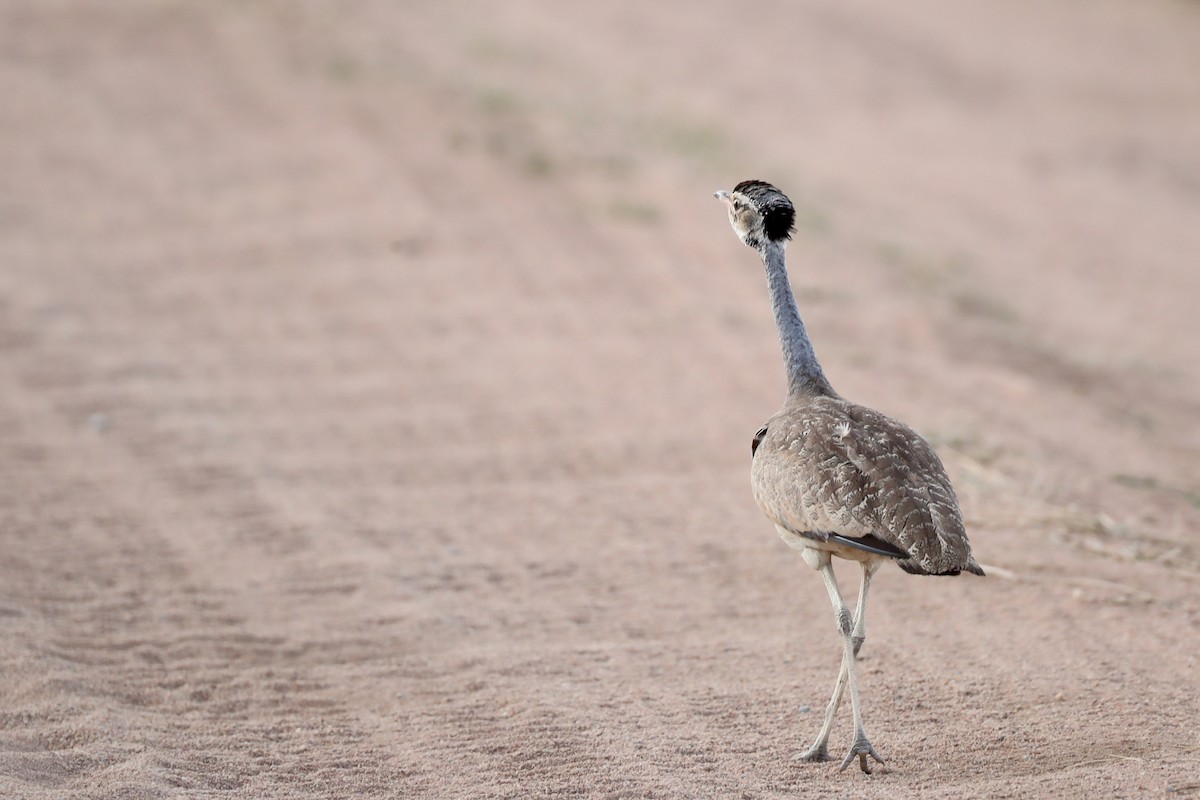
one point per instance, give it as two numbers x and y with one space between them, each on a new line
817 753
860 750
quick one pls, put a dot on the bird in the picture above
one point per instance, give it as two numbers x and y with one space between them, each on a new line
840 480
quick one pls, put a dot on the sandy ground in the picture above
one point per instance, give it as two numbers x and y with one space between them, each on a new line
377 382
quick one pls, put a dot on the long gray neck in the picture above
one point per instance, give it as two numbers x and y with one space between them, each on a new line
804 373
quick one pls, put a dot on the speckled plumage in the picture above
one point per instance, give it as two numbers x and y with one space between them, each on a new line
827 466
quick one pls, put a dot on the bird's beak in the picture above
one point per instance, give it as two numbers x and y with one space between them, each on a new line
722 195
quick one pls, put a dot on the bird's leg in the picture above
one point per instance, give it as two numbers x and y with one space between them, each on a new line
860 613
861 746
819 751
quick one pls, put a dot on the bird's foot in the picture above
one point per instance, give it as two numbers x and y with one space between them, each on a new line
818 752
861 748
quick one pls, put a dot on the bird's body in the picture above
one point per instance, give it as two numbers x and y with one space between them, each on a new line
829 467
839 479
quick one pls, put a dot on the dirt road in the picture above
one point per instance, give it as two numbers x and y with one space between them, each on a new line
377 382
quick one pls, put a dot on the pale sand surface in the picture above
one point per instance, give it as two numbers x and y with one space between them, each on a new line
377 382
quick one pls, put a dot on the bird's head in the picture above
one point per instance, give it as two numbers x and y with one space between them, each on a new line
759 213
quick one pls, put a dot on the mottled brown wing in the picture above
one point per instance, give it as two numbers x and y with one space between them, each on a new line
829 466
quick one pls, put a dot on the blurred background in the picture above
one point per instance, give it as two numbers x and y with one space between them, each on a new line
379 378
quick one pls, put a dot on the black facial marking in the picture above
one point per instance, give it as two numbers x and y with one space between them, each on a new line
778 213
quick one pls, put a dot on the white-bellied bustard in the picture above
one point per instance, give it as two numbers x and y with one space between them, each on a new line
838 479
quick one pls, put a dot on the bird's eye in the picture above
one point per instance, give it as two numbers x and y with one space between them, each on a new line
737 205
